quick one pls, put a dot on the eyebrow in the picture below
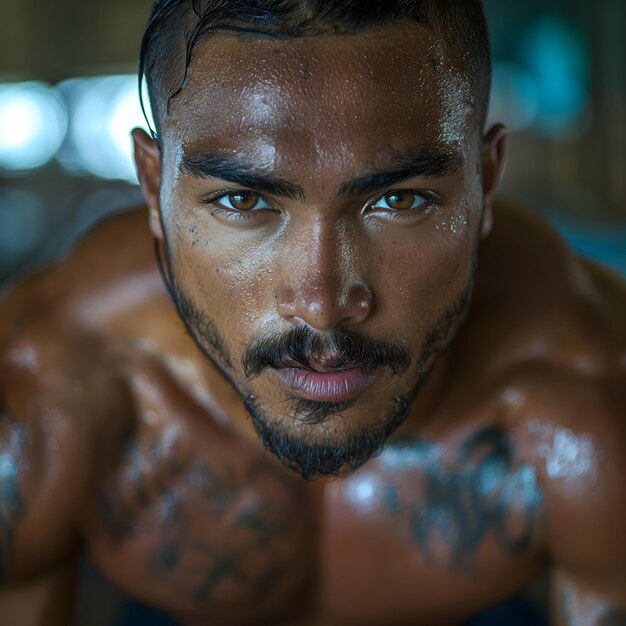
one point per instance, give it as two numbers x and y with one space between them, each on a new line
425 163
234 170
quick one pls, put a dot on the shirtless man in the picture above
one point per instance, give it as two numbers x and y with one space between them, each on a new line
333 275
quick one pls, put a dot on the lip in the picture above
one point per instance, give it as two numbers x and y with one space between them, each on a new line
331 386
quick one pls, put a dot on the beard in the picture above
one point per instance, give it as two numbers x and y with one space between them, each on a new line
314 452
328 455
301 438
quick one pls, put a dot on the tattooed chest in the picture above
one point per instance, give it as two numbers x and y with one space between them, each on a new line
447 528
234 539
462 498
221 538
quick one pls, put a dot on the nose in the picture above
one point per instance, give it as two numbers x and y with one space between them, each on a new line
322 286
318 307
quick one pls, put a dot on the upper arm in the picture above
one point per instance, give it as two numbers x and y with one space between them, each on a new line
58 410
580 602
36 569
59 429
40 481
13 438
586 497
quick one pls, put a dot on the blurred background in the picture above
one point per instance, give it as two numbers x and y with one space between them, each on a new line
68 98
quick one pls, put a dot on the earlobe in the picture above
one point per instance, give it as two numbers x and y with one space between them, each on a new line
493 159
148 164
486 225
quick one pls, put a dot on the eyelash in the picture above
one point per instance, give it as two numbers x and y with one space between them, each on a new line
233 216
431 203
240 216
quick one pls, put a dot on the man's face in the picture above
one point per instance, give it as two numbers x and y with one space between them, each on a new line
321 204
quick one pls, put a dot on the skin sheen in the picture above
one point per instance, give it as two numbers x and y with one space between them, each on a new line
321 254
322 211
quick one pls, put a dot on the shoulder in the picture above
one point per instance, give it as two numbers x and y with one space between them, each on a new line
537 301
57 343
554 329
63 403
79 291
570 426
61 317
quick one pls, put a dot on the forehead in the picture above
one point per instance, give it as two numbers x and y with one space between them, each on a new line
327 98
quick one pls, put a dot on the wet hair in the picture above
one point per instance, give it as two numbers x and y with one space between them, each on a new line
177 26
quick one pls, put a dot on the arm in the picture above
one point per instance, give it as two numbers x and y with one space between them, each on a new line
35 584
58 416
578 602
587 501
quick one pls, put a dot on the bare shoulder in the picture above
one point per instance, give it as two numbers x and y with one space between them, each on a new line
60 319
63 403
569 425
81 289
56 345
560 324
535 299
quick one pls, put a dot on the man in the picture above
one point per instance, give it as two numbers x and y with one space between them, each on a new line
440 383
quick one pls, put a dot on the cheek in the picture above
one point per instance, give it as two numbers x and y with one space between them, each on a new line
226 278
421 274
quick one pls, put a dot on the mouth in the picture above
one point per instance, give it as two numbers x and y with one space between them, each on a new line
324 384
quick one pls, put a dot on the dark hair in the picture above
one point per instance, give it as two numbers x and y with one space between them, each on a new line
461 23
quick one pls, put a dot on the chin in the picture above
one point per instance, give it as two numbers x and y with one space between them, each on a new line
320 441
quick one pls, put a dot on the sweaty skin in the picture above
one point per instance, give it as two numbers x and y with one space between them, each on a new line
124 438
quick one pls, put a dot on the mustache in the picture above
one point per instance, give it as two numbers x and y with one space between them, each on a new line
297 346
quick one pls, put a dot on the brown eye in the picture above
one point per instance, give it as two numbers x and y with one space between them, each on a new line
400 201
243 201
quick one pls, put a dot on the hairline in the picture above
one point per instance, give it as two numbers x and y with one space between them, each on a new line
155 81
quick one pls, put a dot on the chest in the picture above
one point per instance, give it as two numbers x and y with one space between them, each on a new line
229 535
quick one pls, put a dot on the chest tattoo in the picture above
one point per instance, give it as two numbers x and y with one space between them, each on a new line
216 534
482 491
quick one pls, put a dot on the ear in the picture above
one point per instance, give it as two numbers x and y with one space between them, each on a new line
493 157
148 163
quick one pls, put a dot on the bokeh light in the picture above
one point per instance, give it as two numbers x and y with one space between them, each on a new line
554 53
544 88
514 96
103 111
22 220
33 124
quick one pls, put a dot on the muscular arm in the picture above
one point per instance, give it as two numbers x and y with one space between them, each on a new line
577 602
33 591
13 444
59 415
587 492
